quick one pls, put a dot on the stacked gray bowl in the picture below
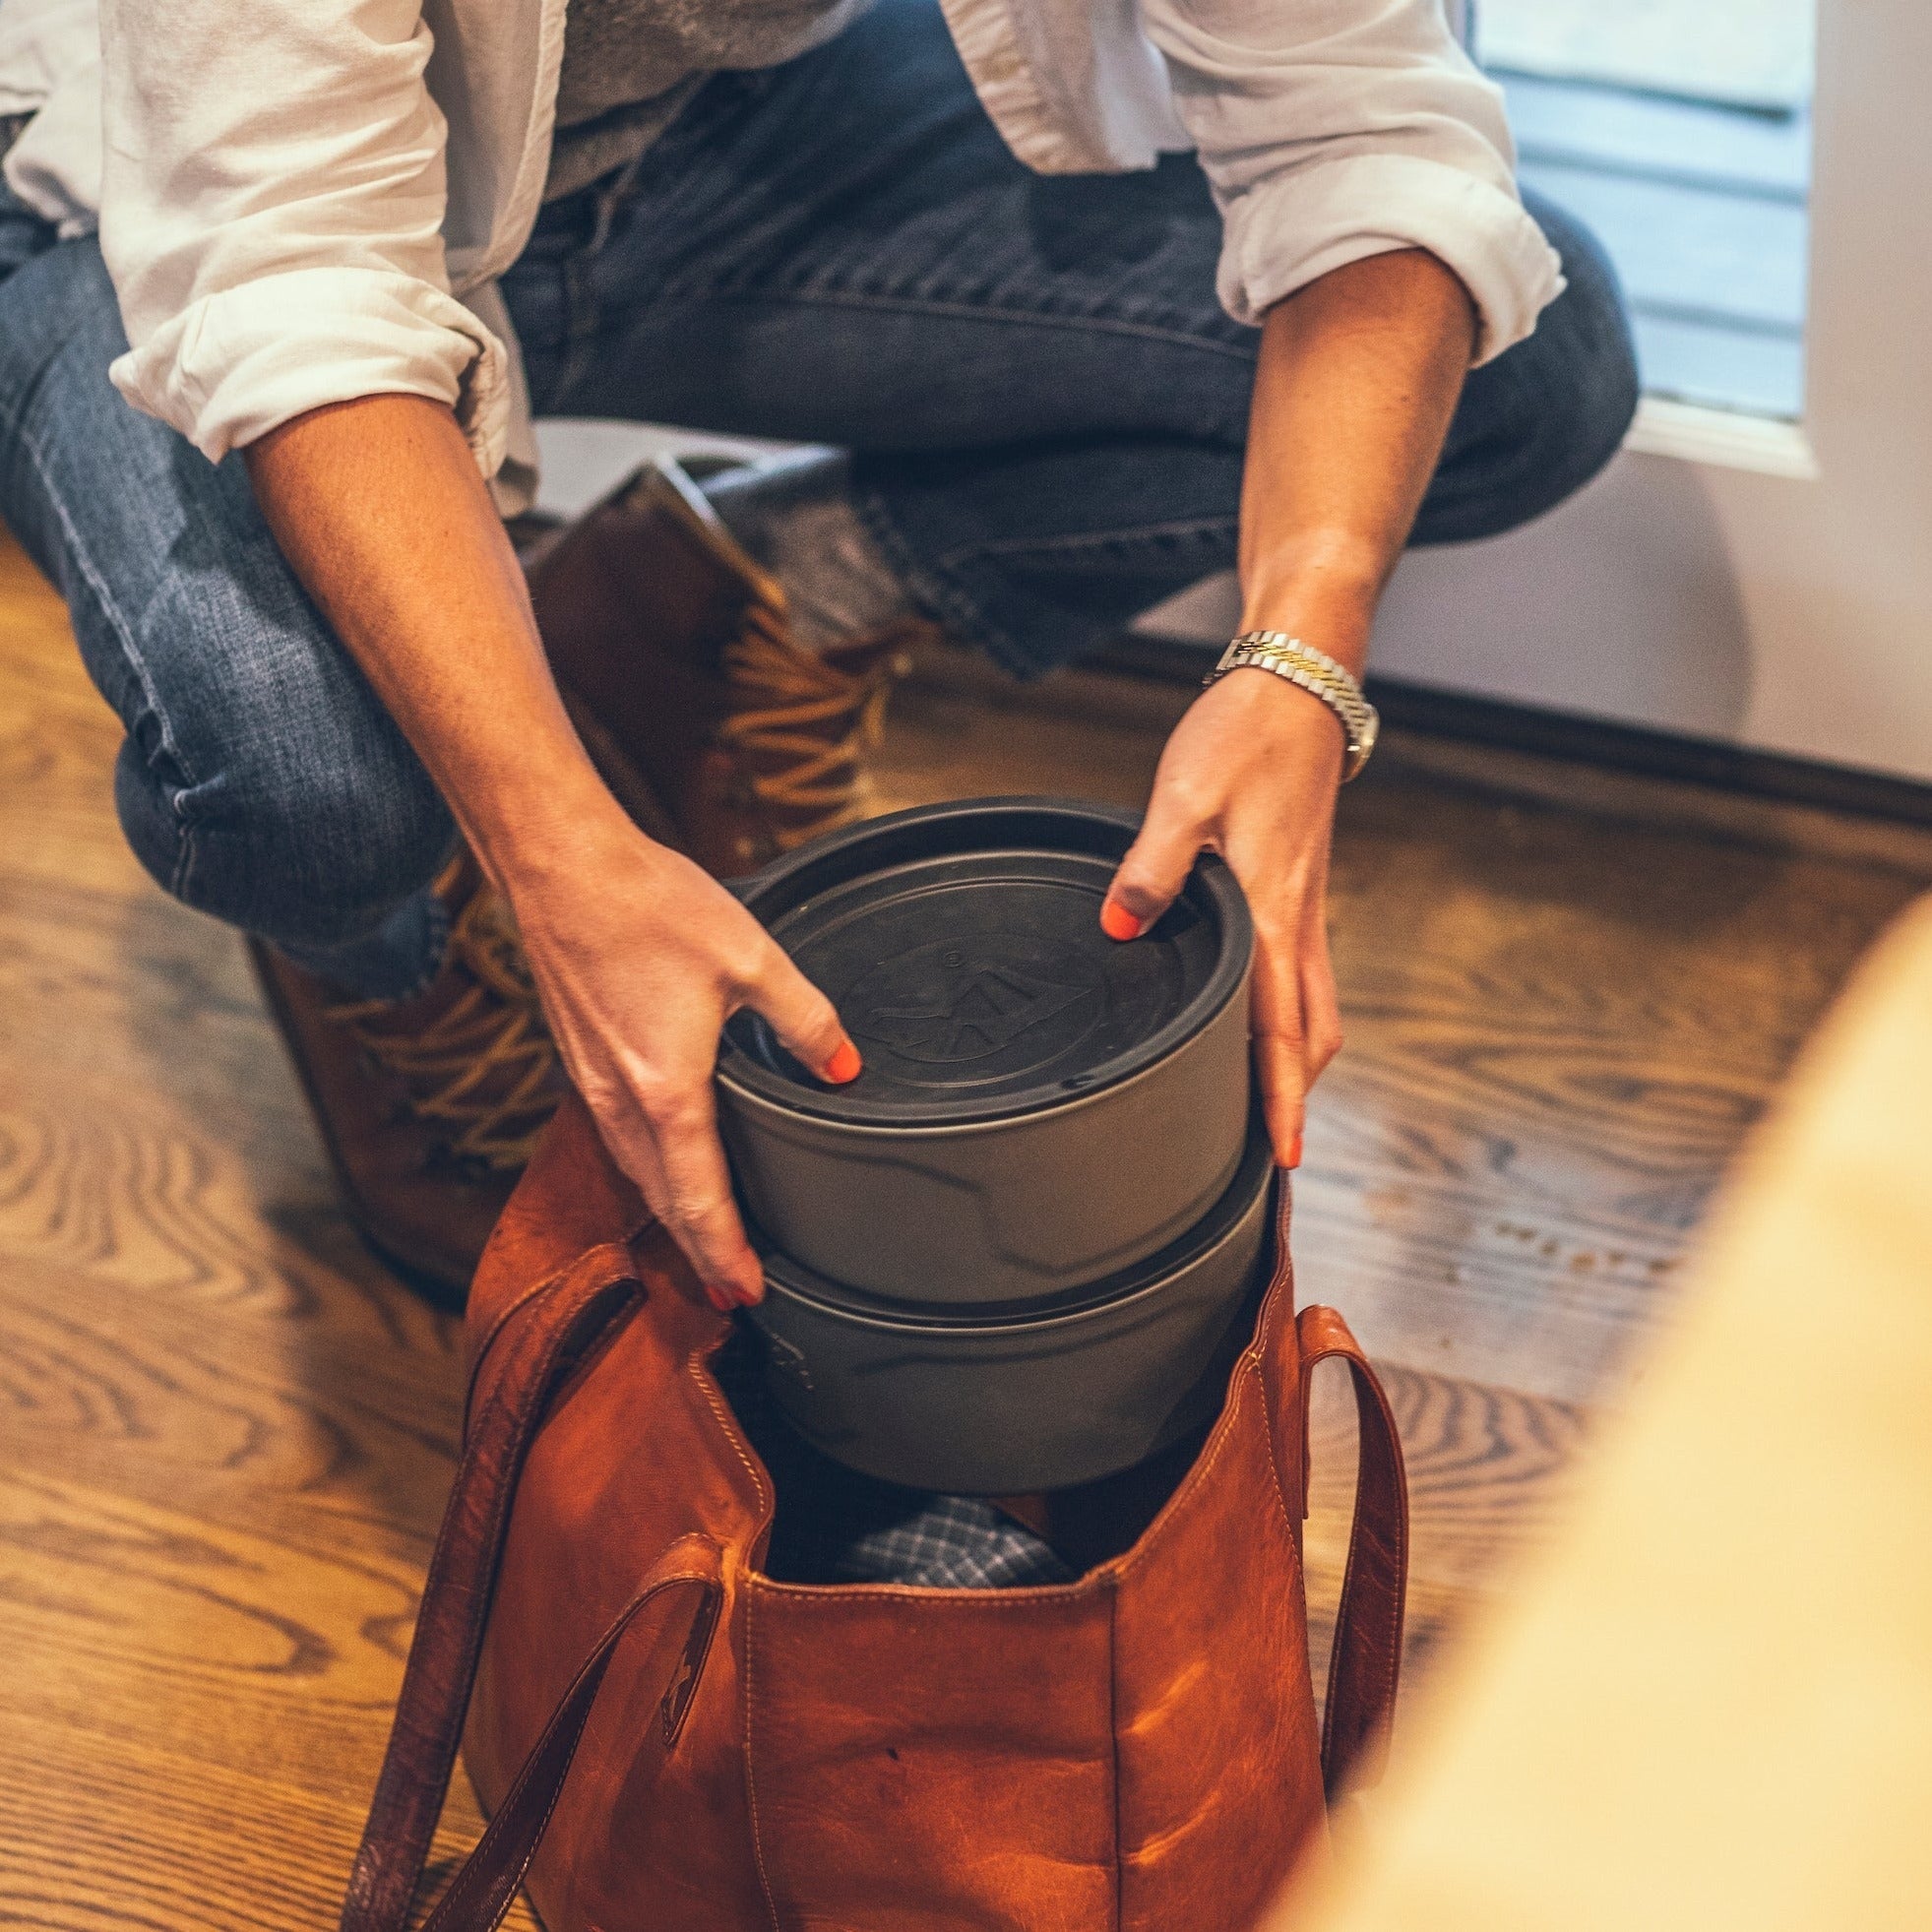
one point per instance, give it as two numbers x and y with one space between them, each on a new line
1019 1251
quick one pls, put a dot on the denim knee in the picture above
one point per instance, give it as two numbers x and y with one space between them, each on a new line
286 839
1539 422
261 780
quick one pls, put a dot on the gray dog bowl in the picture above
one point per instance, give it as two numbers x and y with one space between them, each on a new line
1002 1402
1040 1105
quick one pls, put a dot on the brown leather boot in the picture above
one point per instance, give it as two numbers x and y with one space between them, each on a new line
429 1106
718 734
715 731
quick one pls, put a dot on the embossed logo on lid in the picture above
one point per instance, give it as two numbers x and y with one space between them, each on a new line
962 945
952 1001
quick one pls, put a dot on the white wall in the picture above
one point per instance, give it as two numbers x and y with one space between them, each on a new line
1786 611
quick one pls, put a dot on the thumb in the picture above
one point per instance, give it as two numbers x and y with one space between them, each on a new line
1151 874
803 1017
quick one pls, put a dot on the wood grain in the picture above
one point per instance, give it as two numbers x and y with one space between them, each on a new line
225 1432
1488 1471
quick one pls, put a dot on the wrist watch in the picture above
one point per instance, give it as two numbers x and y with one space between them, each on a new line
1317 674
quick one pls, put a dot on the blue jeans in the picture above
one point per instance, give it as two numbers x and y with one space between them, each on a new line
1047 406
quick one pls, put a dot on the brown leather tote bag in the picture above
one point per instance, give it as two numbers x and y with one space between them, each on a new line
668 1740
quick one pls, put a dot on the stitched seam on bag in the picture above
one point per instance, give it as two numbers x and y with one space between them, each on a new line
519 1302
1247 1368
1275 1466
1197 1478
496 1333
506 1501
474 1635
624 1244
557 1794
1113 1738
1392 1676
537 1844
1250 1364
1338 1649
935 1596
523 1300
751 1777
1283 1286
694 1367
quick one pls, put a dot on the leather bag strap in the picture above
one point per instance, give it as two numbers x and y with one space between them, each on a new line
688 1579
1365 1659
527 1361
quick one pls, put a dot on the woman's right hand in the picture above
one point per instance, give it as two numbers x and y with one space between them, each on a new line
640 957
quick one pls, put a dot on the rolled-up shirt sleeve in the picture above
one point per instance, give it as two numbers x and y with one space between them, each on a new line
271 205
1333 130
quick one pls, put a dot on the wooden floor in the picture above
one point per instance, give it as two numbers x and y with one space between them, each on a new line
225 1432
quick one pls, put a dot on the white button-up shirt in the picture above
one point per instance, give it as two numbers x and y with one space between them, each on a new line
301 202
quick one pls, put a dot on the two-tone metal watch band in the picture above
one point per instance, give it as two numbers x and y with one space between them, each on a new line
1317 674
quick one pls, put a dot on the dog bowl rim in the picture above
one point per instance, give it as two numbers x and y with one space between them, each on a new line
757 1089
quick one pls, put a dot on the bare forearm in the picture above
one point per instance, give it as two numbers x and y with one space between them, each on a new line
638 957
1359 378
1359 375
380 510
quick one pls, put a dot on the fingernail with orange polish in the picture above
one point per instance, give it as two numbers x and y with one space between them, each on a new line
1294 1152
1117 922
719 1298
844 1065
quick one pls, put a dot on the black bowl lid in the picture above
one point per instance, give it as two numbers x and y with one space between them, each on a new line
1251 1180
961 946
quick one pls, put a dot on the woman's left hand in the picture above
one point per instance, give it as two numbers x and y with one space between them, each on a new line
1356 381
1251 772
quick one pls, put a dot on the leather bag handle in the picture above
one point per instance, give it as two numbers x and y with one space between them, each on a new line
689 1574
527 1361
1365 1660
